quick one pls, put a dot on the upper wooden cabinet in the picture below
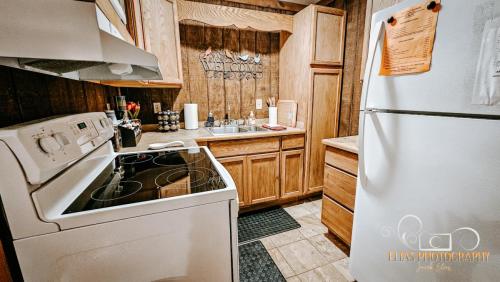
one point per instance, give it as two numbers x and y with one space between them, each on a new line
160 30
155 28
311 73
328 36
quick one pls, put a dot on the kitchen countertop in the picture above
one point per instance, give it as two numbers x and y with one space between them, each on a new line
349 143
191 137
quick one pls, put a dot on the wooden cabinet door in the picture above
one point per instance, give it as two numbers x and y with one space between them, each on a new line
236 166
263 178
323 122
328 36
161 37
292 164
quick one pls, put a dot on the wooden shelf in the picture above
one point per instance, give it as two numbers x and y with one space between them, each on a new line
224 16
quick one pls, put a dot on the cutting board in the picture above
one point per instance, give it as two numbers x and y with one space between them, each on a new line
285 107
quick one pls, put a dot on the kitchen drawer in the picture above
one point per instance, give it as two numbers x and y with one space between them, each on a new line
244 146
292 142
341 159
340 186
337 218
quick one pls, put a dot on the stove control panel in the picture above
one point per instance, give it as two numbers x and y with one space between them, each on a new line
46 147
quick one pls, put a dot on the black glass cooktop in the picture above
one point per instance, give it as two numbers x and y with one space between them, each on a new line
148 176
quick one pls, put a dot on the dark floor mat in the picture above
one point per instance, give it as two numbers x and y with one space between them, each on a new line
257 265
264 223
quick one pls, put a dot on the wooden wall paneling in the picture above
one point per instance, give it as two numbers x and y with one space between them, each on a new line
232 87
349 67
247 47
77 96
10 112
59 99
358 84
145 98
197 78
263 85
275 61
4 268
95 97
184 93
215 87
32 94
111 92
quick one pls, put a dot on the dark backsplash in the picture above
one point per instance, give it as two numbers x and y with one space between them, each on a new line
26 96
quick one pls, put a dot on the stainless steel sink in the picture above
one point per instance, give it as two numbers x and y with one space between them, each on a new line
253 128
235 129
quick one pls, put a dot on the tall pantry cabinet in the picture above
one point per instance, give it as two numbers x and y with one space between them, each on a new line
311 61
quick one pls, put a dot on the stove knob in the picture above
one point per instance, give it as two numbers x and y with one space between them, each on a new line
104 122
49 144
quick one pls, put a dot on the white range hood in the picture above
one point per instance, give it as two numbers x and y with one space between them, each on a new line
62 38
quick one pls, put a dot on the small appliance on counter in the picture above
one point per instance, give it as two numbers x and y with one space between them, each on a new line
168 121
130 132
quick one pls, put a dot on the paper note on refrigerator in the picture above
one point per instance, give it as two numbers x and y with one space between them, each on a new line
409 40
487 80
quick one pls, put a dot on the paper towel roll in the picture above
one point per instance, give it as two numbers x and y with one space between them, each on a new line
191 116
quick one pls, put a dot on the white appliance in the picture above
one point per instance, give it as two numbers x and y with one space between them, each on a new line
429 163
72 39
77 211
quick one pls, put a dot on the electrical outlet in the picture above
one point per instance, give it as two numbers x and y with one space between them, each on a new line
156 107
258 104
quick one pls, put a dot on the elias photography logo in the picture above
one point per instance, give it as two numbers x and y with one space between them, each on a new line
460 245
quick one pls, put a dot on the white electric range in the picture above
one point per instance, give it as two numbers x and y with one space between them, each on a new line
77 211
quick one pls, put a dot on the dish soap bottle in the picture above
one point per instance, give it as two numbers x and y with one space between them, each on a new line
251 119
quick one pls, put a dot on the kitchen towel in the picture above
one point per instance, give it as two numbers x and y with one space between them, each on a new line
191 116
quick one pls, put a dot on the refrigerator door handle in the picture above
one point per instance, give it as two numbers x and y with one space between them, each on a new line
379 28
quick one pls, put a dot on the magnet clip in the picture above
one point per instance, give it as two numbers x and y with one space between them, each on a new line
392 21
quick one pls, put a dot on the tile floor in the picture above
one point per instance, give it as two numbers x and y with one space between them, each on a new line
309 253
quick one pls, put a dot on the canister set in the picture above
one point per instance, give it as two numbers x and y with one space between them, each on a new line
168 121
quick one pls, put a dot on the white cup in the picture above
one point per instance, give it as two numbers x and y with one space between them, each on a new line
273 116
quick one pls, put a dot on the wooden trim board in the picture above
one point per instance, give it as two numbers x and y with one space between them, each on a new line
225 16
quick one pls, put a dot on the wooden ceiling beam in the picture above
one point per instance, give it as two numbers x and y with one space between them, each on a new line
274 4
325 2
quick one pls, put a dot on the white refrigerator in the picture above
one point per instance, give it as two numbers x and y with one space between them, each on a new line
428 194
